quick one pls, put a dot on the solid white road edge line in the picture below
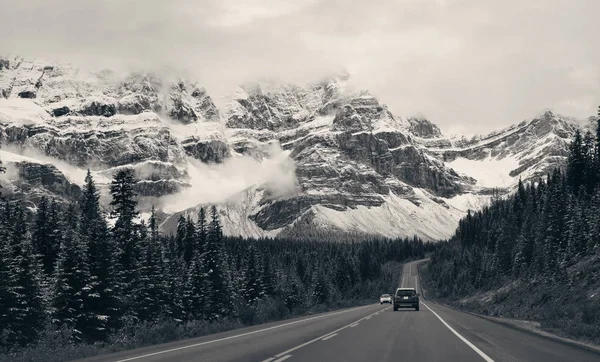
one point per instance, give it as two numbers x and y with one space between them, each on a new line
473 347
283 358
321 337
240 335
329 336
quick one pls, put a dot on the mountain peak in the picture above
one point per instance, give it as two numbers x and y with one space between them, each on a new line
275 155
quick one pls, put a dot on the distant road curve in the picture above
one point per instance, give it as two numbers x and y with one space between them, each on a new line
369 333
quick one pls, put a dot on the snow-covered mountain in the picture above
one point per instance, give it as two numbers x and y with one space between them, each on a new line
279 158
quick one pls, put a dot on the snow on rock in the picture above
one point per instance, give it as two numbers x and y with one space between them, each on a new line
22 111
489 172
273 156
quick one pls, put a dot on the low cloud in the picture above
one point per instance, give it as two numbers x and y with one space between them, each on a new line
217 183
11 153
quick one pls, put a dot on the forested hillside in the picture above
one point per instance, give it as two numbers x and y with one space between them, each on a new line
75 276
534 255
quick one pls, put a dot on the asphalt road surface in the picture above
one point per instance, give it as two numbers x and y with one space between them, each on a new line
369 333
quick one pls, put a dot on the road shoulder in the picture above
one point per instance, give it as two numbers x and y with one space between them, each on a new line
530 327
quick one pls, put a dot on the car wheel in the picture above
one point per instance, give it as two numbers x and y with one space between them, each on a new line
395 309
417 308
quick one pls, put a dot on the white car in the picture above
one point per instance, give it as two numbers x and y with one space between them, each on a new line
385 298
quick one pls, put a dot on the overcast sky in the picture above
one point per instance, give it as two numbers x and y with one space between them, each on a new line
468 65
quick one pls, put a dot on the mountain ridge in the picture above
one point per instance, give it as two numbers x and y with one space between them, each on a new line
319 155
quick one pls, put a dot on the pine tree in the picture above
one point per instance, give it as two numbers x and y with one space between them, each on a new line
197 289
152 292
216 269
589 151
102 252
253 287
268 276
175 275
180 235
125 233
42 240
189 240
201 230
576 163
72 297
7 280
24 314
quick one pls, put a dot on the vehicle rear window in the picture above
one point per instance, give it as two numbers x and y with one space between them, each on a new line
385 295
402 293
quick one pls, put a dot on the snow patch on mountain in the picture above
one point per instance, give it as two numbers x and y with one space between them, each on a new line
22 111
273 156
489 172
423 215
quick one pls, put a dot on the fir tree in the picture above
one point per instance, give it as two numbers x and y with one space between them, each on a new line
180 235
253 287
201 230
189 240
217 274
102 252
197 289
576 163
175 275
24 314
125 233
42 241
72 297
152 292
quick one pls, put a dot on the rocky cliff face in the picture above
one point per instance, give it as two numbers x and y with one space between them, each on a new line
357 166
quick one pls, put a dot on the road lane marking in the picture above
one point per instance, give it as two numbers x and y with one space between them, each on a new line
238 335
329 336
283 358
368 317
473 347
354 325
269 359
321 337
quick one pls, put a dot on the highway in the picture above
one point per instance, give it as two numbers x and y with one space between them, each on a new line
368 333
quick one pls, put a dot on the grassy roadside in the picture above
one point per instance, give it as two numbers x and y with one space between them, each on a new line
524 306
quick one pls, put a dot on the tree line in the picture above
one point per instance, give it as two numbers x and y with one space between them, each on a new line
535 234
94 273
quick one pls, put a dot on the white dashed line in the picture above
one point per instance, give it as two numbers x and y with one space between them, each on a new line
321 337
283 358
354 325
329 336
238 335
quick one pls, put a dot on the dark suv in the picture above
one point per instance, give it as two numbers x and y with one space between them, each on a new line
406 298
